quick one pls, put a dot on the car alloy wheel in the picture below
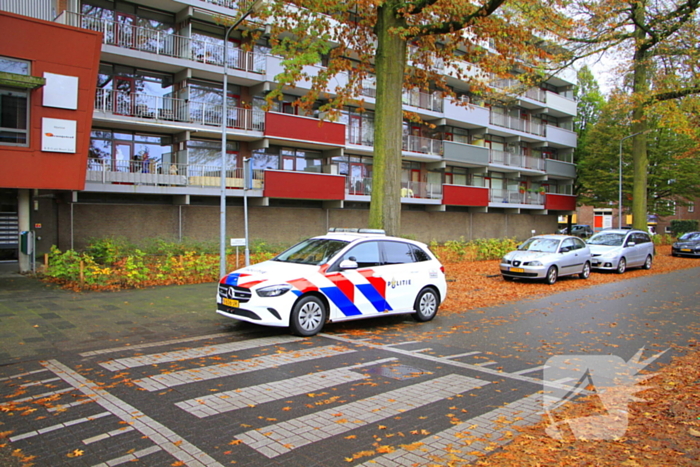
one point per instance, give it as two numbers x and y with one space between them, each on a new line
647 263
621 266
308 316
426 305
552 275
586 272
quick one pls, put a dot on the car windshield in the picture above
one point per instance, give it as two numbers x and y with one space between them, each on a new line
314 251
690 236
607 239
546 245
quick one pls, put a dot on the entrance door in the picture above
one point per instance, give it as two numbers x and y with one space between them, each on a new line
123 96
123 158
126 30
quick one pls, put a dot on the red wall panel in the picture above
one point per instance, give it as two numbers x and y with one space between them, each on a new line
303 185
64 50
555 202
456 195
298 128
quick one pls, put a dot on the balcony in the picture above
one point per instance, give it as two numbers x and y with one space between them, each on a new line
133 172
476 116
289 127
422 145
176 110
560 169
516 160
466 153
501 196
561 137
421 190
459 195
558 202
517 123
423 100
534 93
303 185
170 45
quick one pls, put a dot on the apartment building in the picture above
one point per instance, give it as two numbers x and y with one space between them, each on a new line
154 160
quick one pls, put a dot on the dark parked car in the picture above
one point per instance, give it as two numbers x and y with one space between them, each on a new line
579 230
687 245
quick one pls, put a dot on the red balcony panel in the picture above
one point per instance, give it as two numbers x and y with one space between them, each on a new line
457 195
303 185
294 127
555 202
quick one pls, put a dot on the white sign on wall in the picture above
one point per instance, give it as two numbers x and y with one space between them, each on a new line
61 91
58 135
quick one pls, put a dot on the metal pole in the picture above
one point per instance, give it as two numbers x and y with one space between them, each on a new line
247 181
224 111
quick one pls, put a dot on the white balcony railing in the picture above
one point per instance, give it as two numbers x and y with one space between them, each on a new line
525 125
499 195
422 145
153 172
516 160
421 190
162 43
423 100
179 110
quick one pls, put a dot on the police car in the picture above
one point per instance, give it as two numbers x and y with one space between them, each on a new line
344 275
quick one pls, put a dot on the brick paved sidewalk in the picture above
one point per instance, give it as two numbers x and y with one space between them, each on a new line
39 320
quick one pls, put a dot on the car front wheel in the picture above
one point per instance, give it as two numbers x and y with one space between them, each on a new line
552 275
647 263
308 316
621 266
585 274
426 305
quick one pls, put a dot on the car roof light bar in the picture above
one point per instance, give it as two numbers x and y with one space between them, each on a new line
356 230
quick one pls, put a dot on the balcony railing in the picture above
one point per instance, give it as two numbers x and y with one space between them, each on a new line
515 197
516 160
162 43
358 186
517 123
421 190
422 145
423 100
533 93
178 110
153 172
359 139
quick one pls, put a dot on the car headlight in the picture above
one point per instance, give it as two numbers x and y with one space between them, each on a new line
505 260
274 290
533 263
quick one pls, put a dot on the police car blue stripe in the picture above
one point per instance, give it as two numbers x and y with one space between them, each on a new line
232 279
341 301
368 290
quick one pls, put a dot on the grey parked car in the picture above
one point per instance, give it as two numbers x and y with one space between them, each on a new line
548 257
618 249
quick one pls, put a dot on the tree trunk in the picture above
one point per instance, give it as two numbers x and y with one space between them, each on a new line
639 123
390 63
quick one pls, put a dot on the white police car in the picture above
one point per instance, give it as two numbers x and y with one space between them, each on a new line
344 275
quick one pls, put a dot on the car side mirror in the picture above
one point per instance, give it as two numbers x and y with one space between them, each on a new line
348 264
631 243
565 249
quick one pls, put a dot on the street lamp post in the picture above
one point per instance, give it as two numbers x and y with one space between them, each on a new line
619 189
224 117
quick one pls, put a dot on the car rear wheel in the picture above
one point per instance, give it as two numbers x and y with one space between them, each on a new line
585 274
647 263
426 305
308 316
552 275
621 266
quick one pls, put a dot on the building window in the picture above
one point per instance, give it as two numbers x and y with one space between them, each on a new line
691 207
14 116
12 65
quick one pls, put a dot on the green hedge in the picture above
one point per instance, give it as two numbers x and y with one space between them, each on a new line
679 227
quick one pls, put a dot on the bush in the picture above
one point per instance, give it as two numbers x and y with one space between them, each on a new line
679 227
662 239
478 250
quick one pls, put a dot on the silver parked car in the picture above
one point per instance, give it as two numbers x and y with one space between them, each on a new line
618 249
548 257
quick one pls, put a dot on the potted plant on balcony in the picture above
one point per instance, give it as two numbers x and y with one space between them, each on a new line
521 189
542 190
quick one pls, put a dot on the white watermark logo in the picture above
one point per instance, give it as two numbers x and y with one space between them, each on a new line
608 377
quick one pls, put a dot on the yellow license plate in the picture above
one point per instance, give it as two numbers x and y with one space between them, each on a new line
230 302
517 270
685 249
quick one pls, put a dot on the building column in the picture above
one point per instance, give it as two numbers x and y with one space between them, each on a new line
23 212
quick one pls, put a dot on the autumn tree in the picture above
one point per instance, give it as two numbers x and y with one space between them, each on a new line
444 46
590 102
673 158
655 44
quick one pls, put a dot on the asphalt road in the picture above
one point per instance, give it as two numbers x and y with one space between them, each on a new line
380 392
